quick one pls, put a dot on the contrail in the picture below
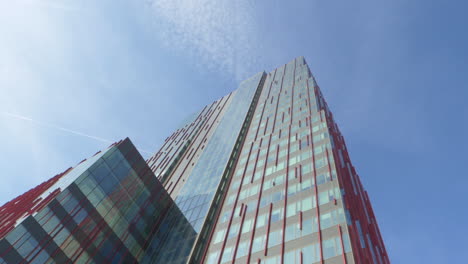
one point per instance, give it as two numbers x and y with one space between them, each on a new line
44 124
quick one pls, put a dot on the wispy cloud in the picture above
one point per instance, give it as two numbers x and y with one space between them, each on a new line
218 34
45 124
53 126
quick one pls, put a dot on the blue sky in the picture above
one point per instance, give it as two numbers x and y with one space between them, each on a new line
393 73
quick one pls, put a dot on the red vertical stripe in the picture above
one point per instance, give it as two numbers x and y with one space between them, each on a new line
255 166
268 229
300 173
277 155
300 220
266 125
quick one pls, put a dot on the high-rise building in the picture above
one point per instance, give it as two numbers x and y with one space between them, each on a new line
261 175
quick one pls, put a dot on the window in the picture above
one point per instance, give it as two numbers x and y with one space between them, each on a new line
225 216
70 203
307 203
276 196
27 246
80 216
323 178
261 220
235 185
87 185
279 180
219 236
306 155
276 215
96 196
329 195
290 233
231 199
293 160
61 236
346 244
273 260
332 247
41 257
293 148
307 184
259 243
17 233
100 170
306 169
291 209
243 160
274 238
51 224
293 231
260 163
108 185
309 226
311 253
292 257
331 218
257 175
234 230
213 257
227 254
242 249
251 206
319 163
246 227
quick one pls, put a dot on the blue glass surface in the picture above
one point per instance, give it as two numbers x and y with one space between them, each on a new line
197 194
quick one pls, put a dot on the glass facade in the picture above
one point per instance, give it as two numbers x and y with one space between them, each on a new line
108 209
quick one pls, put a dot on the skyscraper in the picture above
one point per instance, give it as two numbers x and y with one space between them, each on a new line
261 175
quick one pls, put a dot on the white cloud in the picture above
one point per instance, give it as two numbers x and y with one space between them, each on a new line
221 33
